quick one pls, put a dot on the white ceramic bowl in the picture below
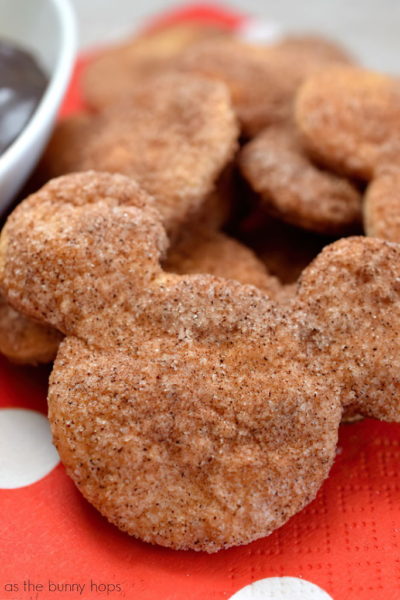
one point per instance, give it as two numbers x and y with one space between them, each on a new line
47 28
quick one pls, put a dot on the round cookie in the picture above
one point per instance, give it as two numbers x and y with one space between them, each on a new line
349 119
292 188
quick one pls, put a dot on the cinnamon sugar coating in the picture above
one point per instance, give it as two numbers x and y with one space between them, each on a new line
262 80
130 64
174 136
294 189
192 410
349 119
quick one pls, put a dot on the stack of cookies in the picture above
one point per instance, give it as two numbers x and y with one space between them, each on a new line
206 262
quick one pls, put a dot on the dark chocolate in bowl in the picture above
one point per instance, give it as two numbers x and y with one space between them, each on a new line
22 84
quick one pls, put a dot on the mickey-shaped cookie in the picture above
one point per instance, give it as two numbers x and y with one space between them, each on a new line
174 136
191 410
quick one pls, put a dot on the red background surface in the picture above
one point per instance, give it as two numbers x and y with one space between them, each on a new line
347 541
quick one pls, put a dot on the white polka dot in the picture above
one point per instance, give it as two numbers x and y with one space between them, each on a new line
281 588
256 30
26 451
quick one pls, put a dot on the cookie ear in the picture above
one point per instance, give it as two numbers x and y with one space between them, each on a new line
349 312
64 262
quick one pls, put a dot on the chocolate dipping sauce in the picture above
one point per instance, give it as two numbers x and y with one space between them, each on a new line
22 83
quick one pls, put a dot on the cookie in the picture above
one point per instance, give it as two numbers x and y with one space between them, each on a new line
130 64
24 341
175 136
217 254
349 119
262 80
292 188
177 403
